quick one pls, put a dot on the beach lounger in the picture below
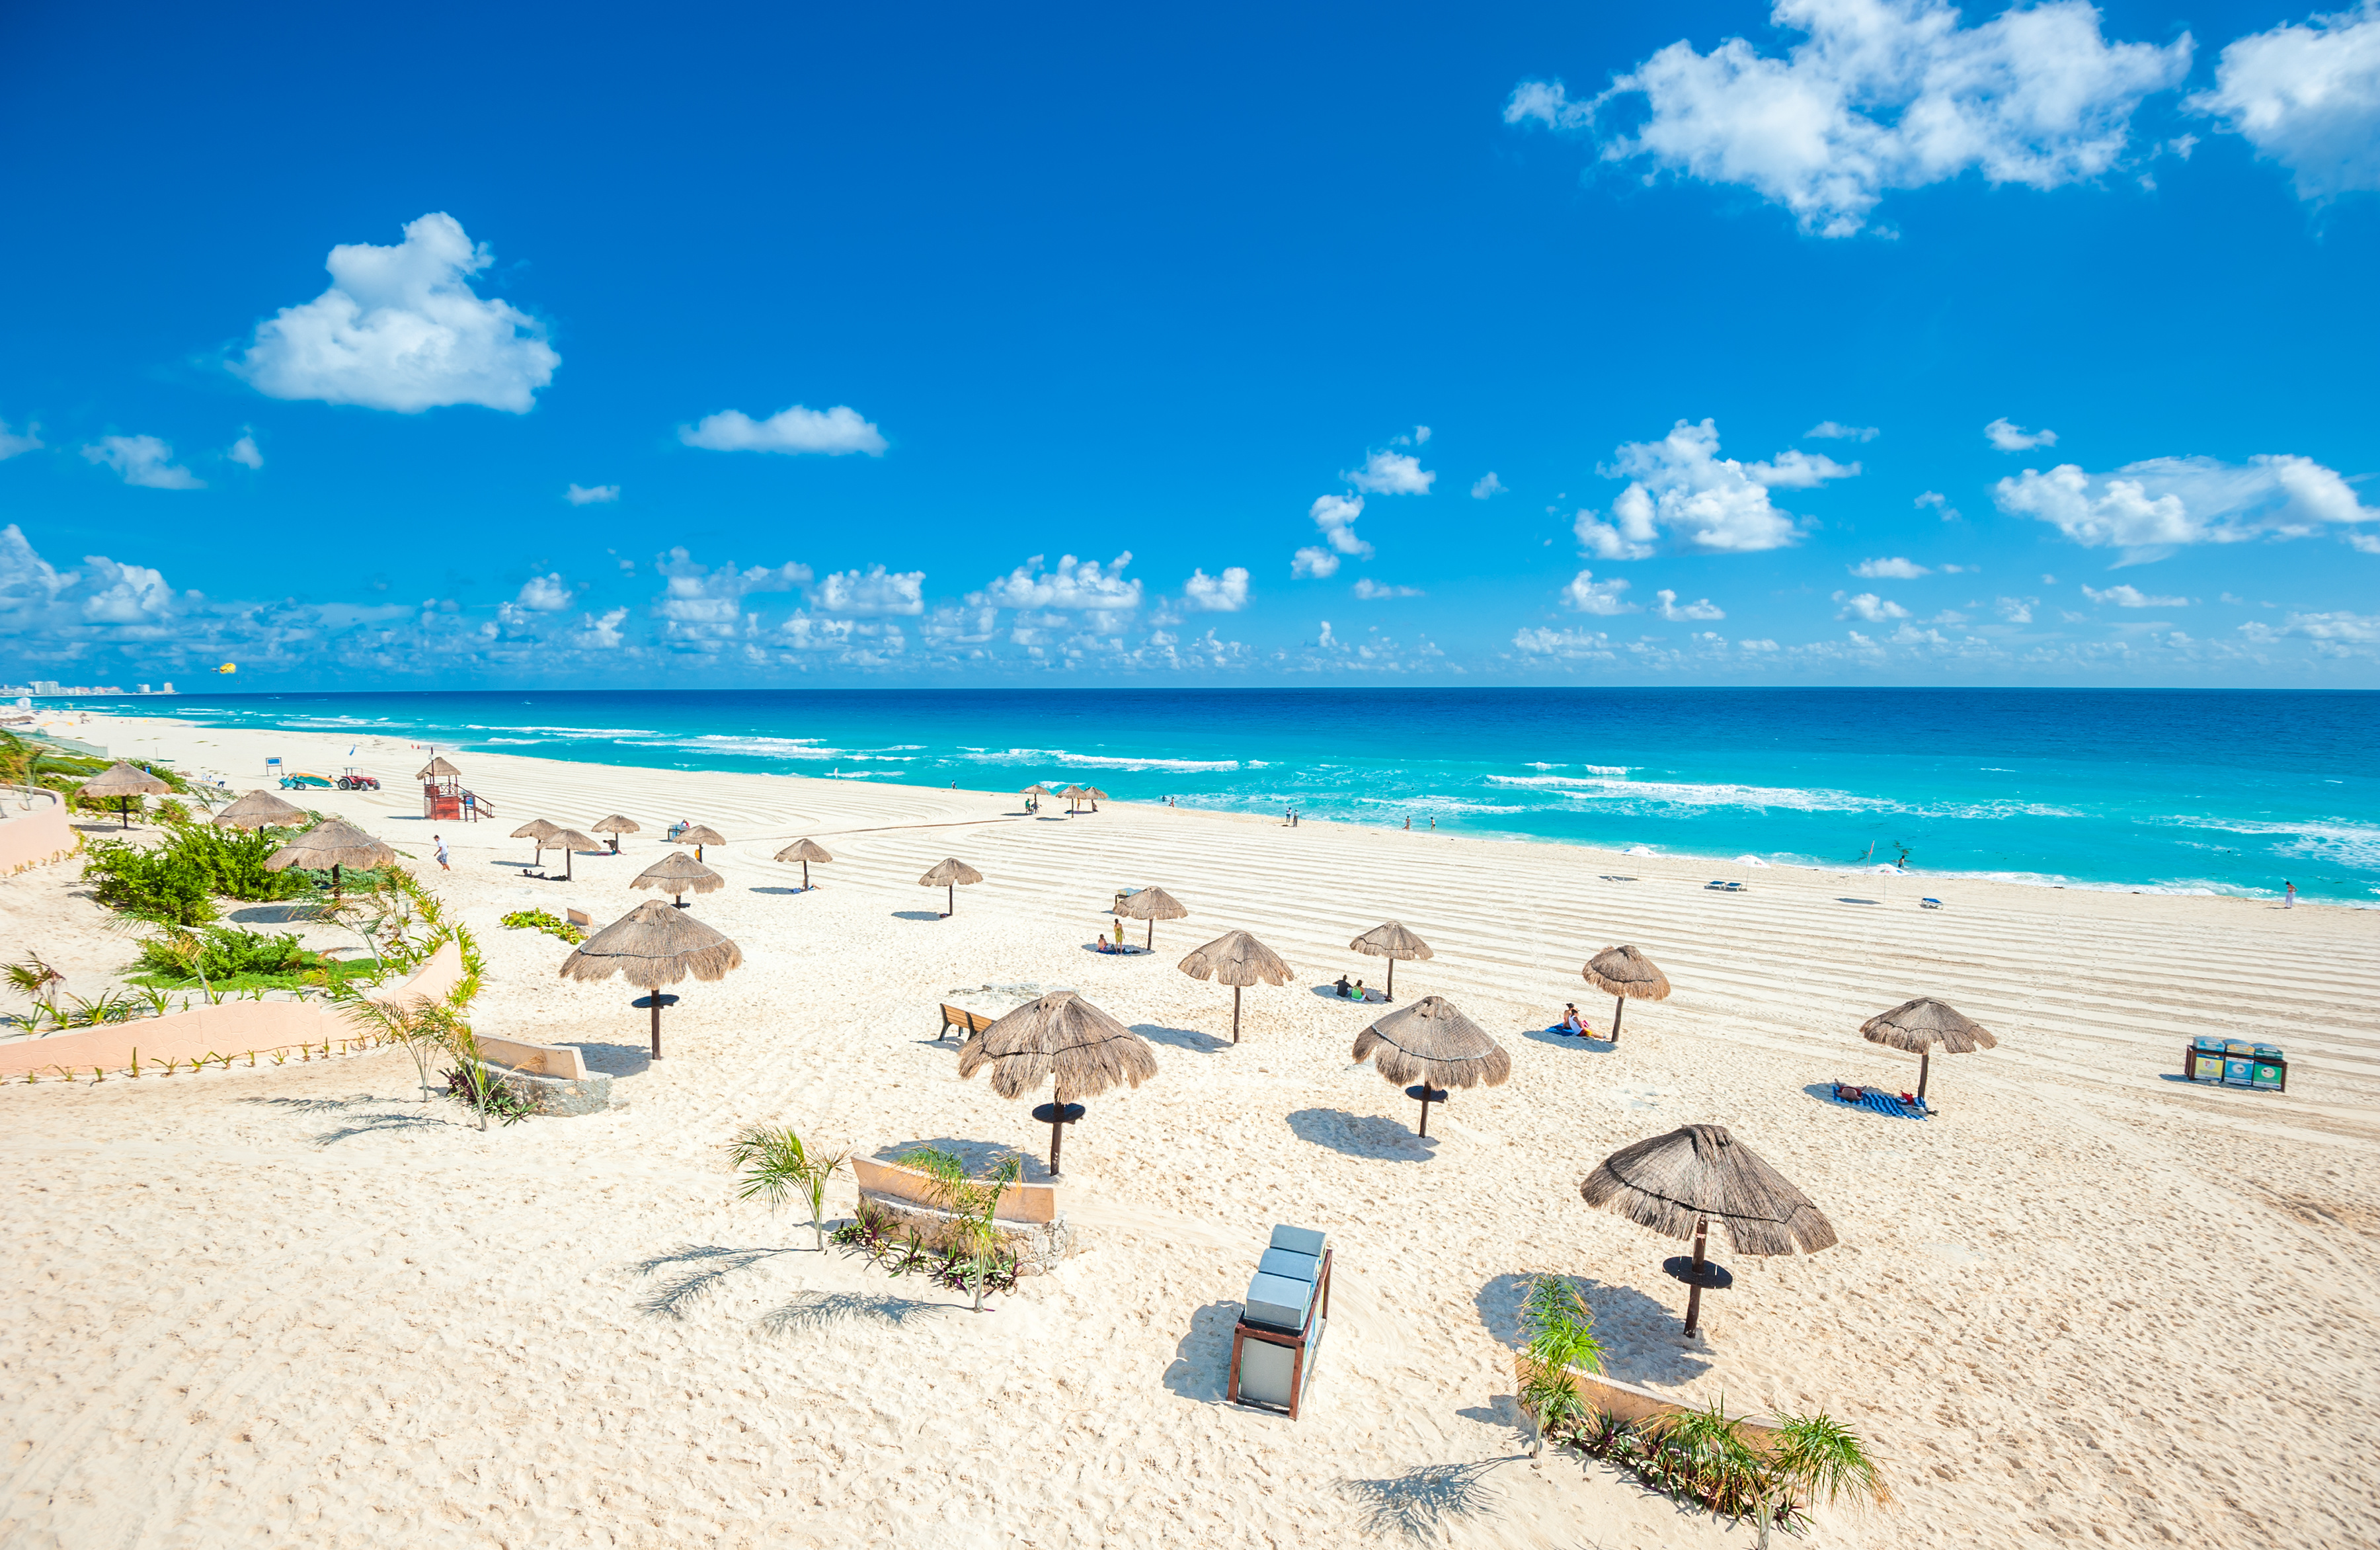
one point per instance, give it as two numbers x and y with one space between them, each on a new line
1721 886
963 1021
1904 1106
1930 904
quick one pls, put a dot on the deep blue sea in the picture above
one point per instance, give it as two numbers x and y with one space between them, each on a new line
2226 792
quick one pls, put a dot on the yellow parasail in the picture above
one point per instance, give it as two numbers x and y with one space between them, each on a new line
228 668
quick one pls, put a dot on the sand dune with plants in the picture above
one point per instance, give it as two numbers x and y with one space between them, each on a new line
317 1304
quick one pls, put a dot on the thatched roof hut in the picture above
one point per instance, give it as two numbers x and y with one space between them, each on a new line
653 946
1064 1039
1037 790
947 875
614 825
679 874
1676 1184
805 851
700 834
570 842
1923 1024
1431 1042
539 830
1093 795
334 844
1625 975
122 783
1237 960
1392 941
1151 905
259 809
437 769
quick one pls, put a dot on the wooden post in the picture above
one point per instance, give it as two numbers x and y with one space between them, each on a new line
1618 1005
1392 995
1425 1108
1924 1059
1694 1296
1152 933
950 891
1057 1134
1235 1014
654 994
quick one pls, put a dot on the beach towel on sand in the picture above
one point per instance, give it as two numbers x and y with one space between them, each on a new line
1881 1101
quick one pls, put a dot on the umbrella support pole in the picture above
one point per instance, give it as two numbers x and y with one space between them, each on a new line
1235 1014
1694 1295
1425 1114
1392 995
1151 944
950 908
656 995
1618 1005
1924 1059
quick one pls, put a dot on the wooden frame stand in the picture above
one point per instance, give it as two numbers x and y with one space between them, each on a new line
1300 1345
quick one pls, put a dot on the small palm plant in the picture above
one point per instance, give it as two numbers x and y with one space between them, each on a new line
972 1203
1705 1458
776 1164
1560 1330
424 1028
1818 1460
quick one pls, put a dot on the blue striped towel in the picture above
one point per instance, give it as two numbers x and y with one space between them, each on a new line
1884 1103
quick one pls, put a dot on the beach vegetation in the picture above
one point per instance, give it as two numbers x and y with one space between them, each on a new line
486 1094
176 882
539 920
1559 1328
776 1165
230 960
1772 1475
971 1203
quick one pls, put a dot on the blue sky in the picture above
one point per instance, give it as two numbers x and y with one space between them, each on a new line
1701 344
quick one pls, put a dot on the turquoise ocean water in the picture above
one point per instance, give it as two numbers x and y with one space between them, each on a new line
2224 791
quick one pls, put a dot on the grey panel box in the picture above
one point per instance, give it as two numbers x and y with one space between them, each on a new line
1279 1302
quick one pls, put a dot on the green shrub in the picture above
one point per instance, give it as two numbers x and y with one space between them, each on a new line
158 883
225 960
538 920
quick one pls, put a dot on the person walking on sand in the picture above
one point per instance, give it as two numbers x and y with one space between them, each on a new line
440 841
2288 895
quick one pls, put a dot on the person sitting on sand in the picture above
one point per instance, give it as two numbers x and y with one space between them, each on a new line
1570 1024
1359 992
1342 987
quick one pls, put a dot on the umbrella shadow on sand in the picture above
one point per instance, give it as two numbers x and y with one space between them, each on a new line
979 1156
1591 1042
1363 1135
1639 1331
916 914
614 1060
781 890
1202 1358
276 914
1181 1038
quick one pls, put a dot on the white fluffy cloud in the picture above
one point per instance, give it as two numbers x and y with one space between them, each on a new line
544 594
1881 94
591 495
1869 606
11 442
123 593
1827 430
1226 594
401 329
1335 515
1074 586
1893 568
1669 608
2016 438
1590 596
2356 628
2128 596
2307 96
833 431
1563 645
2150 508
1939 502
1392 473
246 453
1313 563
1682 486
1374 592
703 604
874 591
2018 610
1488 486
143 460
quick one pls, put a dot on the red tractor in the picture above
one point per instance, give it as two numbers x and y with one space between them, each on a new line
356 780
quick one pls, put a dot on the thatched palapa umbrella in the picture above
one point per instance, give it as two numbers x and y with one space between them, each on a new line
1432 1042
1921 1024
1237 960
1094 795
333 843
1151 905
1675 1184
1062 1037
698 837
122 782
614 825
1624 974
948 874
569 841
805 851
259 809
1392 941
539 830
653 946
1074 795
679 874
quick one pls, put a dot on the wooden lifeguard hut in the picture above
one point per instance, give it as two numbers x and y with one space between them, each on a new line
442 797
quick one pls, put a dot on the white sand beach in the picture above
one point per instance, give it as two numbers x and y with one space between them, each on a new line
2088 1302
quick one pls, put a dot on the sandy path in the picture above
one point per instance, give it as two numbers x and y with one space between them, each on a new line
2088 1301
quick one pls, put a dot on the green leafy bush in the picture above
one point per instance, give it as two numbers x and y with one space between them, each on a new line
157 883
538 920
227 959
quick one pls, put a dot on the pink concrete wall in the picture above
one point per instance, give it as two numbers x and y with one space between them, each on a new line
31 839
235 1027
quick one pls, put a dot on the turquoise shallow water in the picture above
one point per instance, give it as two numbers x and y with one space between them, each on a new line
2223 791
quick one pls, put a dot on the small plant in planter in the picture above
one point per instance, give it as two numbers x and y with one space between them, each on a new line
776 1164
1561 1335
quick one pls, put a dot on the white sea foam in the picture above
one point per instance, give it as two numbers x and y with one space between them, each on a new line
2339 840
1099 760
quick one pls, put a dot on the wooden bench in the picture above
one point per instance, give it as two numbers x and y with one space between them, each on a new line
963 1020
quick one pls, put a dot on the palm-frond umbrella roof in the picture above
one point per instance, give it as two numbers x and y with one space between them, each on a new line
1060 1037
536 828
701 834
1926 1023
1151 904
1074 791
1666 1182
949 870
333 842
259 809
1094 793
1037 790
437 769
653 946
121 779
1392 940
1237 958
1623 970
1432 1042
678 872
571 839
612 824
804 851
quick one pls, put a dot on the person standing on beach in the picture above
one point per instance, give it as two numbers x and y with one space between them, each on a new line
440 841
2288 895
